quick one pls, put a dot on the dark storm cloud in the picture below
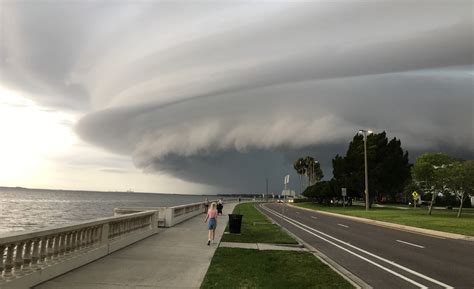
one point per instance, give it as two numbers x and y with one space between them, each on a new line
230 93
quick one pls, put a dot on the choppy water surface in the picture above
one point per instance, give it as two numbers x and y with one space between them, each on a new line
22 209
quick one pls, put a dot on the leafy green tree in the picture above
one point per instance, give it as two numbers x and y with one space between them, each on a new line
461 180
317 174
388 167
322 192
432 169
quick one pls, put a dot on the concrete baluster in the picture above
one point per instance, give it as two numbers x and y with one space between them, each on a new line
27 256
87 233
56 247
80 239
9 262
68 240
45 251
58 242
74 243
2 262
92 236
86 236
98 234
36 253
18 258
63 244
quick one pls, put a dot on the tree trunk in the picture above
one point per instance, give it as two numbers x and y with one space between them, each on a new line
301 184
431 204
460 206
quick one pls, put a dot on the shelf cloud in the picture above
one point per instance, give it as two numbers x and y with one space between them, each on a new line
229 93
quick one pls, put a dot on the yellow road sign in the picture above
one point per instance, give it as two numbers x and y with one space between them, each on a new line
415 195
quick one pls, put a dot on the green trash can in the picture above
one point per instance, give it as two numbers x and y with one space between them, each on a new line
235 222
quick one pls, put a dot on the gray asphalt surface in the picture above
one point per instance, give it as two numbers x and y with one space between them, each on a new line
382 257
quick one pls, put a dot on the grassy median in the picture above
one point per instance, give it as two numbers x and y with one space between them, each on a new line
247 268
256 228
440 220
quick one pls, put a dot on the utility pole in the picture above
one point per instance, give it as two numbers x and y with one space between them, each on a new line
266 182
364 133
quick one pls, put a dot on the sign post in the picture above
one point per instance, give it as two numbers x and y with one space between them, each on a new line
344 194
415 198
287 181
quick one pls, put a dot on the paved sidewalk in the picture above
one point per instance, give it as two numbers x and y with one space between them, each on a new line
177 257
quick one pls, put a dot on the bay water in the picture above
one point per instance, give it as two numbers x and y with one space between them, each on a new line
29 209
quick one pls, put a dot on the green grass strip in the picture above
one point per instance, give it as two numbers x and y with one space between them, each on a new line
440 220
256 228
244 268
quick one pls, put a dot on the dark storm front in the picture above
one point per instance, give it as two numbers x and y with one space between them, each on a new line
23 209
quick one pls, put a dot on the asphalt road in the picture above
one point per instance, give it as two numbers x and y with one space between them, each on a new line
382 257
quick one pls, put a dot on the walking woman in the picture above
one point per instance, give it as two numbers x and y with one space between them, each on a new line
211 218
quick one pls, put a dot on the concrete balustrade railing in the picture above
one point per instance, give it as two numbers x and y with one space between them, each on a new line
27 259
170 216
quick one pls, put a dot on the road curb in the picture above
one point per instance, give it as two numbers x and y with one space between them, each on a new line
343 272
395 226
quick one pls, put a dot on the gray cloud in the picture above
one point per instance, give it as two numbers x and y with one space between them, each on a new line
228 94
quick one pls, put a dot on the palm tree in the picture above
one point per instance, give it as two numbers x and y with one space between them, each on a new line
300 169
309 165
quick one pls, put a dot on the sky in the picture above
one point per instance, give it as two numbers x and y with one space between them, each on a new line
216 96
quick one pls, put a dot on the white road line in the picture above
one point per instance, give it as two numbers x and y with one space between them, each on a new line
313 217
294 222
350 252
343 225
411 244
297 212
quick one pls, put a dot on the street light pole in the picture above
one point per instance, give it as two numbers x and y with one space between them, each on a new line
364 133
